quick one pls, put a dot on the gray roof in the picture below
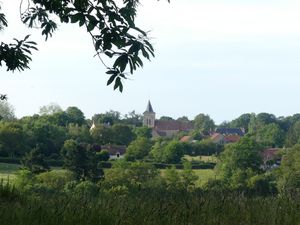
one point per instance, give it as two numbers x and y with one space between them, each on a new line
149 108
172 125
230 131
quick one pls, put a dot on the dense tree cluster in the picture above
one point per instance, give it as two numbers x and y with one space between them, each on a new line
53 127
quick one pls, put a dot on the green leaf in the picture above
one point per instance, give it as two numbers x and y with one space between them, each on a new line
109 54
75 18
121 87
117 83
98 44
145 53
81 21
121 62
149 45
138 61
134 48
141 31
111 79
111 72
91 26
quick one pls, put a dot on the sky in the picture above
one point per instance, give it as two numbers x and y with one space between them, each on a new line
218 57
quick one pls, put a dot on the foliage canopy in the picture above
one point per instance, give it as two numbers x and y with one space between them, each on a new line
110 23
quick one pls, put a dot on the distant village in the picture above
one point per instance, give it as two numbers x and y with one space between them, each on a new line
170 128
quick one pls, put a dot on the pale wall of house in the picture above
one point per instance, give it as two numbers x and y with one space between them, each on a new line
219 140
171 133
116 157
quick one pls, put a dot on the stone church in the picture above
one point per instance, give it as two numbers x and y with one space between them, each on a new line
162 128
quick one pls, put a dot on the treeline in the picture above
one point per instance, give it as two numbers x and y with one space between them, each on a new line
270 130
48 132
50 129
267 129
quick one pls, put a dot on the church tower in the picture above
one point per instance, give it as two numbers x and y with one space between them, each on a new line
149 116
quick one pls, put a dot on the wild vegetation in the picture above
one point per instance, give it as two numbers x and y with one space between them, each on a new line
88 203
156 182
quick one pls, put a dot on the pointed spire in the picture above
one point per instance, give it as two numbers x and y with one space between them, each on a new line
149 108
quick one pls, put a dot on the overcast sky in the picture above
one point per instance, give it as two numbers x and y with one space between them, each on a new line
218 57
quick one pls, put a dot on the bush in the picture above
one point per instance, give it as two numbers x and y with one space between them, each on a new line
262 185
86 188
24 178
106 165
103 155
215 185
55 179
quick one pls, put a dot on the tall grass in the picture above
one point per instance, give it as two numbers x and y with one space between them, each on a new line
151 207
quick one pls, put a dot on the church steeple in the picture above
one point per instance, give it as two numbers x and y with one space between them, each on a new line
149 116
149 108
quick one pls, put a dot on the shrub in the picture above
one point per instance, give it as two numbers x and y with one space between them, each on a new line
86 188
103 155
262 185
55 179
24 178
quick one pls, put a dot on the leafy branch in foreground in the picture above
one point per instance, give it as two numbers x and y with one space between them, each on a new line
17 55
110 23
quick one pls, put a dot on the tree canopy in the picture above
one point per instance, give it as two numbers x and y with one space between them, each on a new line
239 161
204 123
289 174
6 111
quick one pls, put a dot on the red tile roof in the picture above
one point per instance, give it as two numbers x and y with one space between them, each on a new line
185 139
232 138
215 136
172 125
270 153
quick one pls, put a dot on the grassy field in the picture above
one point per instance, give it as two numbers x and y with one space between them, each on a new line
8 171
203 175
202 158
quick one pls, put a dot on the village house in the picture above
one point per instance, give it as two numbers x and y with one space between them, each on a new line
227 135
115 151
271 158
